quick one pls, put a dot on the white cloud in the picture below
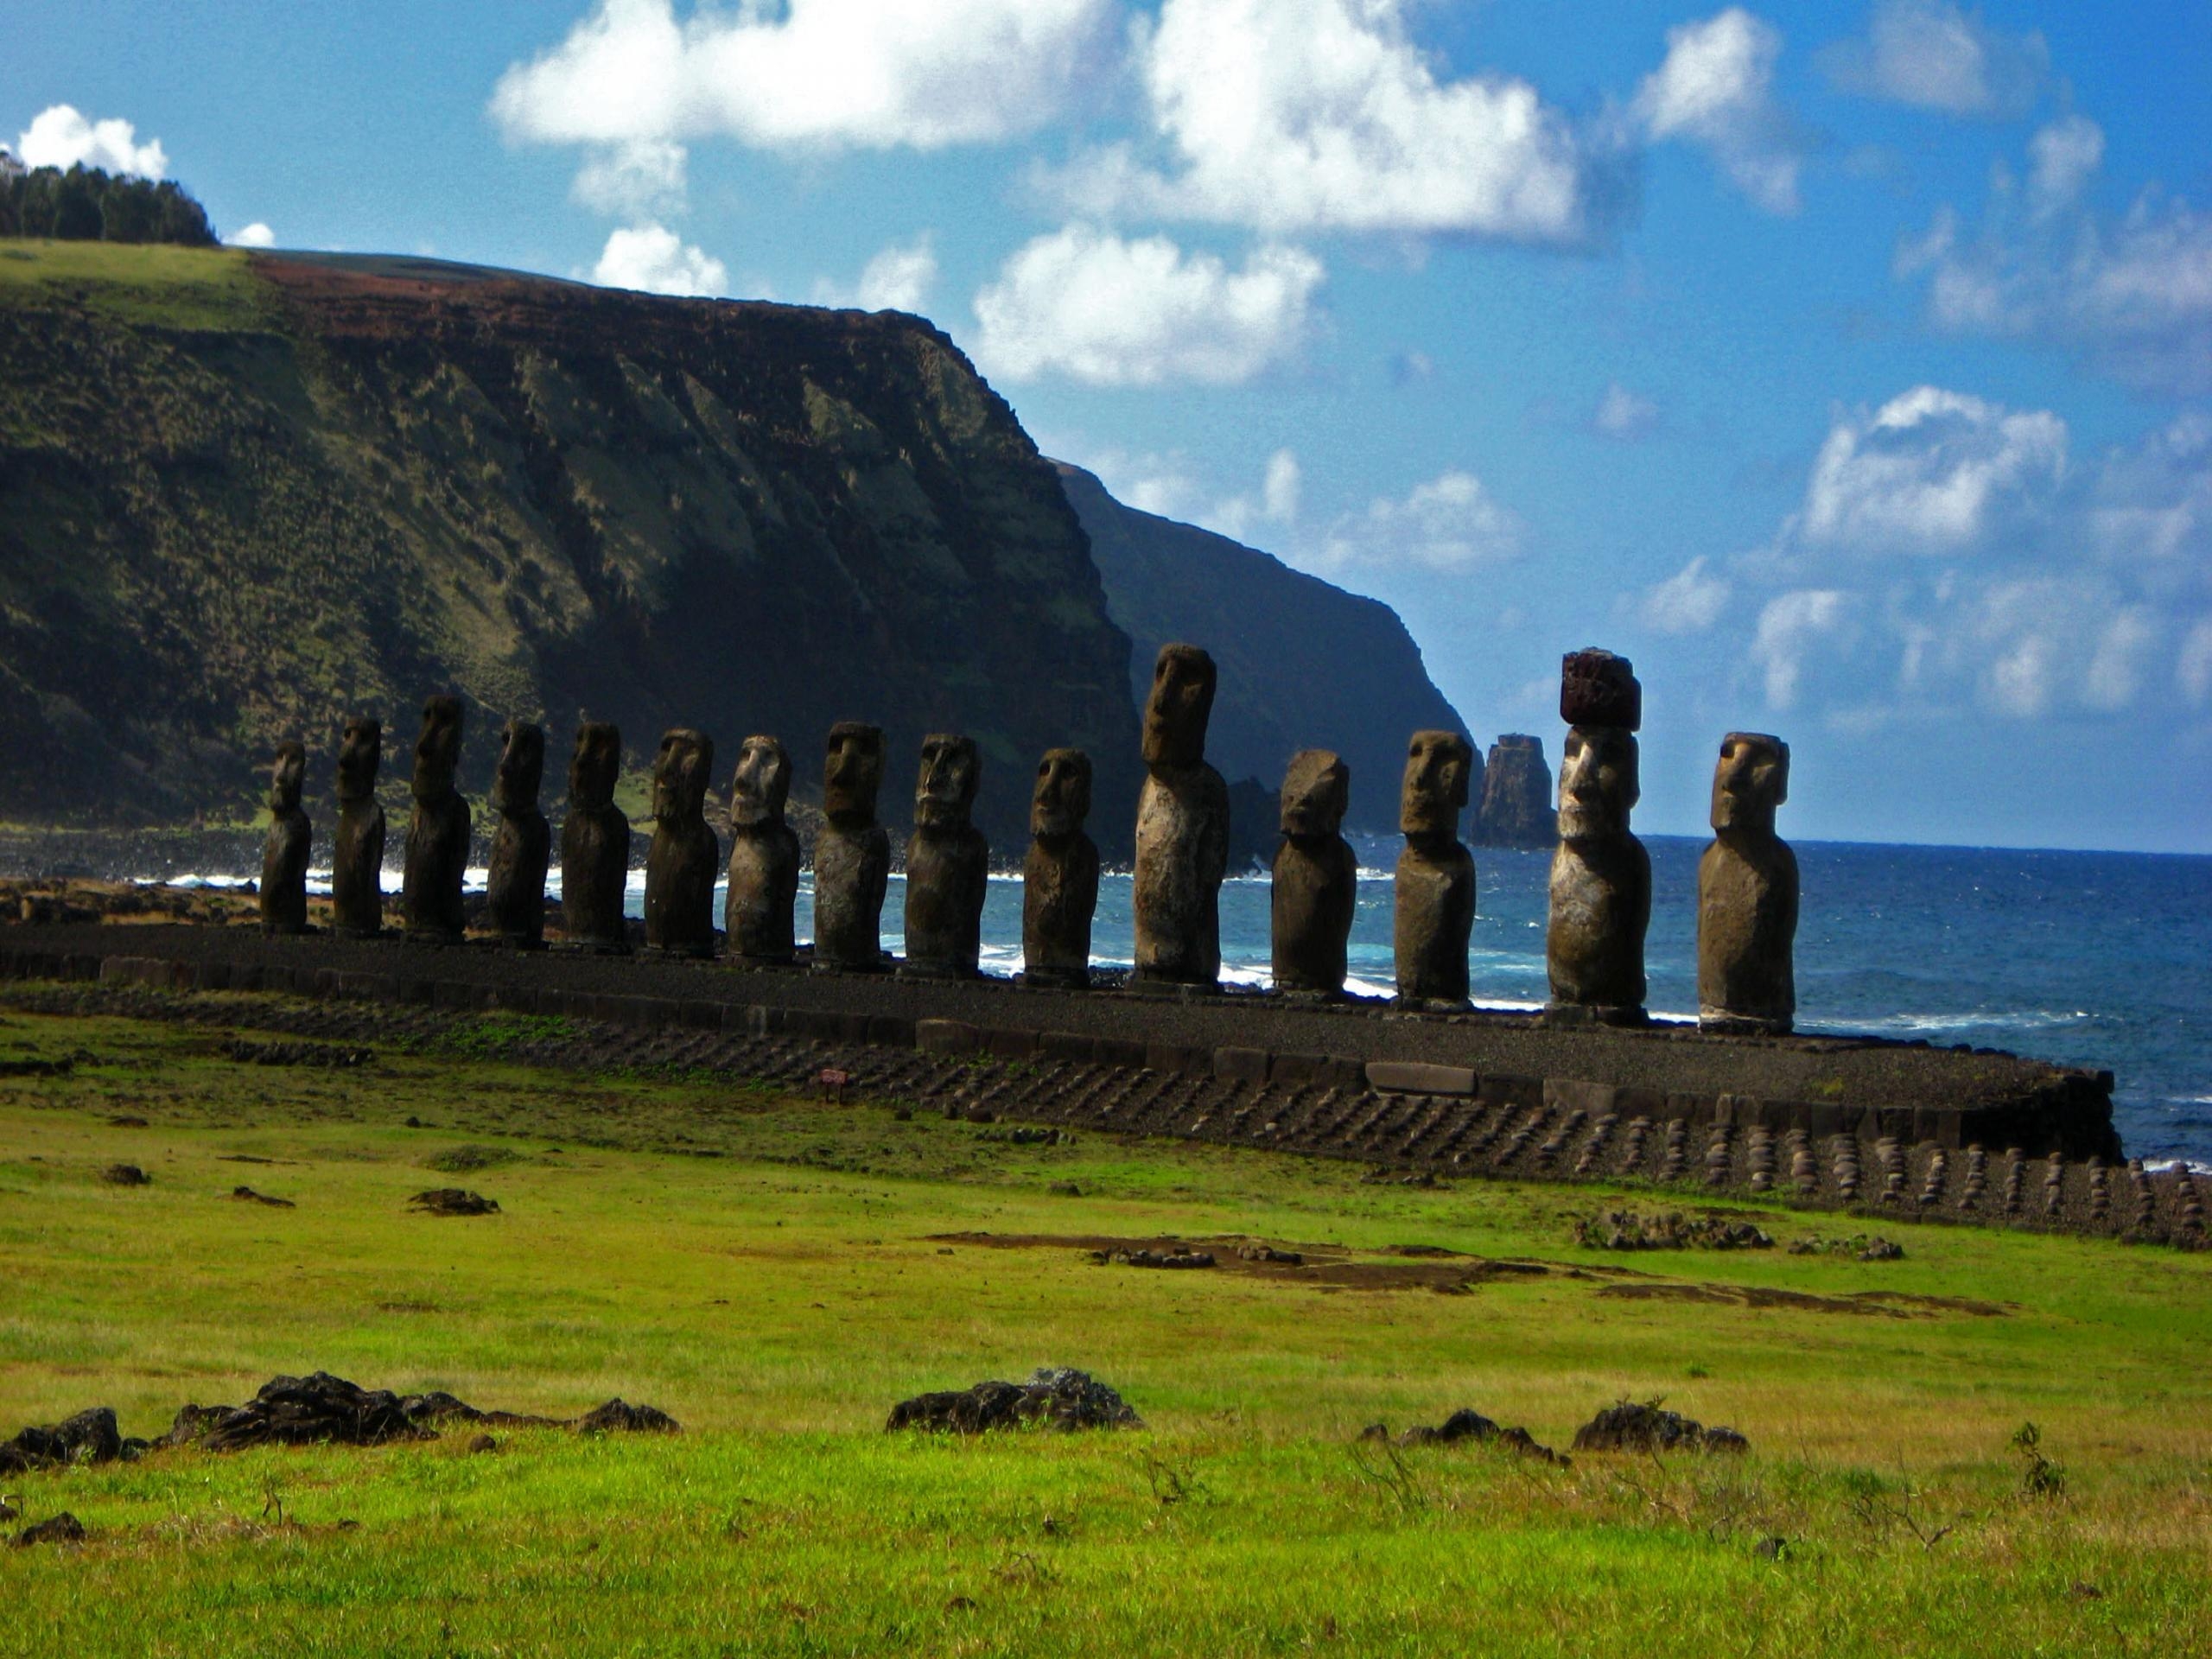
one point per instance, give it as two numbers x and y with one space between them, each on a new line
60 136
2062 158
1084 303
643 175
1931 472
1621 414
1688 601
1715 87
1450 522
654 260
898 279
1168 485
1932 55
2193 672
1279 491
256 235
1790 626
1290 115
809 74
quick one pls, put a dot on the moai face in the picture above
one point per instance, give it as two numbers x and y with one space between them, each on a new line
1062 800
763 784
1435 790
1315 791
595 766
1751 780
437 751
680 773
1598 783
360 752
287 774
852 771
944 791
522 767
1181 702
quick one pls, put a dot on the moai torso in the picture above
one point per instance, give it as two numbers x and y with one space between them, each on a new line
948 863
1316 878
684 858
284 855
1747 894
852 855
764 857
357 851
1601 876
522 841
1059 878
1182 838
437 829
595 843
1434 911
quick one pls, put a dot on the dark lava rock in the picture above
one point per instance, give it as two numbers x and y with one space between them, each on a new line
453 1201
1154 1258
617 1417
1055 1397
247 1195
310 1410
1625 1229
1469 1425
1253 1251
1632 1426
63 1529
192 1421
126 1175
89 1437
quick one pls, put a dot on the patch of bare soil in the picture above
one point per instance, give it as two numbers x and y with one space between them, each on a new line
1321 1266
1896 1305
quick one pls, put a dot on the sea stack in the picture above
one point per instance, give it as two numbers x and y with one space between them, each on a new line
1182 833
764 858
522 841
852 855
1435 889
1601 875
357 851
284 855
1747 894
1315 877
595 844
1517 801
1060 878
684 858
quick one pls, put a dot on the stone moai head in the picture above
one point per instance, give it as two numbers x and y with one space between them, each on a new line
852 773
521 769
360 753
1062 800
287 775
1315 792
1436 789
681 771
1599 689
437 751
1751 780
944 790
1598 783
1181 702
596 765
763 784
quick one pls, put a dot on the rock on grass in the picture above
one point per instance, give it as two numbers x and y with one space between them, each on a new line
1470 1425
453 1201
89 1437
63 1529
1632 1426
1055 1397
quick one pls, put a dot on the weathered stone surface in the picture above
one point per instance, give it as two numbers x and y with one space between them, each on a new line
1436 888
1747 894
61 1529
1601 882
437 831
1182 831
522 841
357 852
684 859
764 856
1315 884
1516 804
1467 1424
1419 1077
948 862
619 1416
852 855
1059 878
1054 1397
595 842
285 856
1596 687
91 1436
1633 1426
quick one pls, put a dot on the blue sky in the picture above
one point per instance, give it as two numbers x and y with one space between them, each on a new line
1849 366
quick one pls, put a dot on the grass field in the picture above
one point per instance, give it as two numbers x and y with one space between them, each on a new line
160 286
772 1271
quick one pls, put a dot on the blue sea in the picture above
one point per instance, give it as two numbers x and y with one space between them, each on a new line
2094 959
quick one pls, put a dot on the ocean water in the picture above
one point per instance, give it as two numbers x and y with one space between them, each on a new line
2095 959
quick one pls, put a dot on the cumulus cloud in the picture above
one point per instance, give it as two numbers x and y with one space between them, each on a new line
1450 523
1715 87
256 235
60 136
1932 55
1689 601
1788 626
897 279
1087 304
1296 116
2062 158
2193 670
654 260
644 175
1622 414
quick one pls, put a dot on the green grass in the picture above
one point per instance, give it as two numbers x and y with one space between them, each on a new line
144 284
763 1268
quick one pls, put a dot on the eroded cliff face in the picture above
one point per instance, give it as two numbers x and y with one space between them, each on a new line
235 510
1515 807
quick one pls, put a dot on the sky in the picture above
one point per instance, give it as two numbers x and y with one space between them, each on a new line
1849 366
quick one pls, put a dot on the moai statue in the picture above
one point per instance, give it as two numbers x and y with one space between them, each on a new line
522 841
357 851
764 857
852 855
1436 875
438 831
684 858
1182 830
285 856
1060 878
948 863
1747 894
1601 876
595 844
1316 878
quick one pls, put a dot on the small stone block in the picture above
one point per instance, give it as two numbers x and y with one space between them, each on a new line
1118 1050
1233 1064
1416 1077
1572 1094
1071 1047
1007 1044
889 1031
1292 1070
946 1037
1511 1090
